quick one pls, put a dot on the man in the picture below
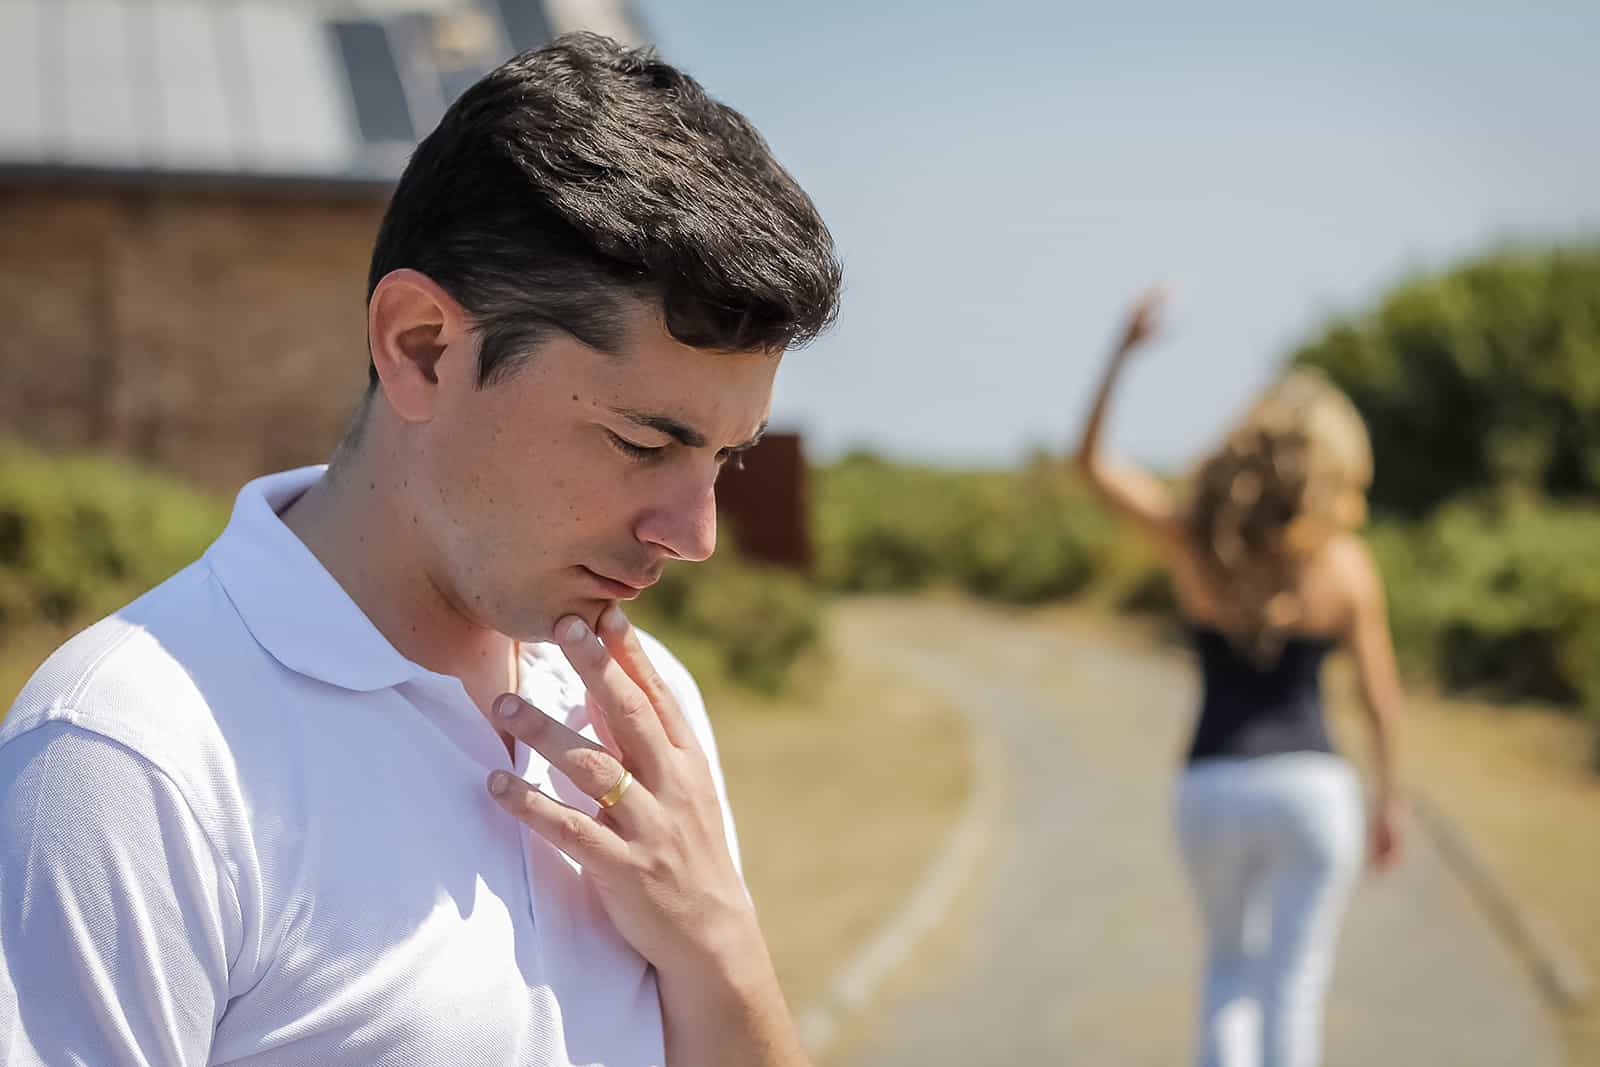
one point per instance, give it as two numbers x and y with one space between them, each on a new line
277 811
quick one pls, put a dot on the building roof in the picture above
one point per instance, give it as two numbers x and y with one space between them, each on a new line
322 91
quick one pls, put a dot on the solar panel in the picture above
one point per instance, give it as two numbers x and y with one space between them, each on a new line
411 47
526 23
380 95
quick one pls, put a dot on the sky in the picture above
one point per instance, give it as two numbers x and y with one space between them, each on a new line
1003 178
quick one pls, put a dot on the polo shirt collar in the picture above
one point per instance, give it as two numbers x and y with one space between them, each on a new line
289 602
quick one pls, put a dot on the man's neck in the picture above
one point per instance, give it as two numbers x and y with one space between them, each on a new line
353 522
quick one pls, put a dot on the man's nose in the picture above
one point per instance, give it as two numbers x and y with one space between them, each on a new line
687 527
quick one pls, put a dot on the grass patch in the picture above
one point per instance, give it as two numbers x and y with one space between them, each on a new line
844 791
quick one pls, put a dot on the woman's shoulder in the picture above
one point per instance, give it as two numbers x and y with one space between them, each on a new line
1342 581
1347 558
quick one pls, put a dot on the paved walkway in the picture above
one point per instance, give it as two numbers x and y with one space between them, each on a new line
1084 949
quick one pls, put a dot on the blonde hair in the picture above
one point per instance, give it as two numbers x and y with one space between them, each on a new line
1292 474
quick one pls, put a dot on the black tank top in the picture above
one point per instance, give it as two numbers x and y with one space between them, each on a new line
1248 710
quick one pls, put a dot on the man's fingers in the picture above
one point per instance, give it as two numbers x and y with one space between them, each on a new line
587 840
590 767
622 641
602 729
632 720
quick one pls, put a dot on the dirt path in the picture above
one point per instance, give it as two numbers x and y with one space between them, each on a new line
1084 949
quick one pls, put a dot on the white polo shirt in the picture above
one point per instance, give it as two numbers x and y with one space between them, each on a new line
237 826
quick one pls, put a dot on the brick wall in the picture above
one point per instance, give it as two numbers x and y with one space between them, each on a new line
217 334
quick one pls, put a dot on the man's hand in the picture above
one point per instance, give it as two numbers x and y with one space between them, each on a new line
656 853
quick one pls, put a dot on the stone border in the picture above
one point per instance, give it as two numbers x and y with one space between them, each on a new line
853 985
1560 973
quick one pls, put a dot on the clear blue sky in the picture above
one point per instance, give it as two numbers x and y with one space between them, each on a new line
1001 178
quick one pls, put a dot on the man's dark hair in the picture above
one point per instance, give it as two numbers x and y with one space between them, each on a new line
582 174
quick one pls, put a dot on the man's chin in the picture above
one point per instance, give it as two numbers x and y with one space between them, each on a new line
543 629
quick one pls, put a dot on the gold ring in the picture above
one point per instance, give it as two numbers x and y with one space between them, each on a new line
614 794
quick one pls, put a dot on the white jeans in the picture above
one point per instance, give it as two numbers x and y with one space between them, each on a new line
1273 845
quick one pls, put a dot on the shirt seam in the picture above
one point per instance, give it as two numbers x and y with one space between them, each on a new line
74 721
87 675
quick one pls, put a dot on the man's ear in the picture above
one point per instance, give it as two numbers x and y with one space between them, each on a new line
411 323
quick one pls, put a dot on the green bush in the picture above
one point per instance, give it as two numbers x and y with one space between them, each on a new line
1497 594
1016 536
80 536
1499 597
1486 375
880 527
727 617
1147 591
1029 538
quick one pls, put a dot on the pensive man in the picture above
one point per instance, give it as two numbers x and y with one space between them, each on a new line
386 777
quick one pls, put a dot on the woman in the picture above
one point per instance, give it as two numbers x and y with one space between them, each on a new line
1269 576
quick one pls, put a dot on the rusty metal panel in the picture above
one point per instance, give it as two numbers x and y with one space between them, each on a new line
766 503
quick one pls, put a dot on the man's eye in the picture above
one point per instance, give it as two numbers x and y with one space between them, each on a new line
631 450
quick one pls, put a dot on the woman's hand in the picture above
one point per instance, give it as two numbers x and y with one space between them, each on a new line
1386 836
656 852
1129 490
1143 319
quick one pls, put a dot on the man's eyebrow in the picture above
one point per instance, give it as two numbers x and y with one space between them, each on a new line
681 432
678 431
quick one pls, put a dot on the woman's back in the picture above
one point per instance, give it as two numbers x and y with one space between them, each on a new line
1252 706
1249 709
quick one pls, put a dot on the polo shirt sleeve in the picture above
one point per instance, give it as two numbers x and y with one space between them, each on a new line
112 903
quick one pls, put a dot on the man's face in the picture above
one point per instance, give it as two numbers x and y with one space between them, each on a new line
574 481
